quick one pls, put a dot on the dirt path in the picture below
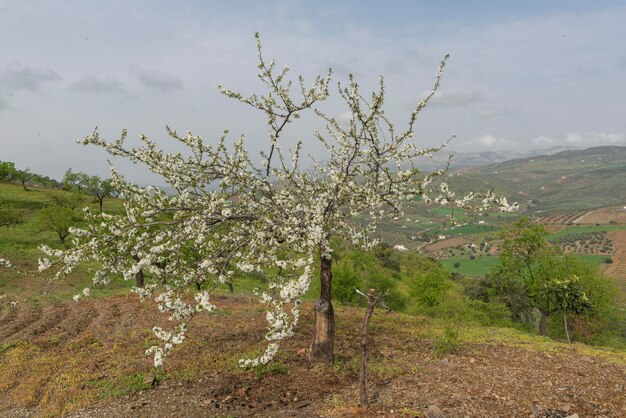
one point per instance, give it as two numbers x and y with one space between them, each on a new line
617 269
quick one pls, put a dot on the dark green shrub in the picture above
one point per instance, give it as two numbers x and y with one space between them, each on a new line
345 280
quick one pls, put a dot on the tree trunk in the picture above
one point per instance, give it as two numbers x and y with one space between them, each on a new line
372 299
139 280
101 203
323 346
231 289
565 325
543 324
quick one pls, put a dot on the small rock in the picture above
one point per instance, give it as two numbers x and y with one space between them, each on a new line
301 352
565 407
444 361
472 360
433 411
535 409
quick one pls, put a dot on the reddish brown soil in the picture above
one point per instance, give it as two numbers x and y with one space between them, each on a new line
105 338
617 269
447 243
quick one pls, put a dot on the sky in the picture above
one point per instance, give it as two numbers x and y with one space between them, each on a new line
521 75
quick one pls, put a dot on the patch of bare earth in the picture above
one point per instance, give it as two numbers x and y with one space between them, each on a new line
73 359
447 243
617 269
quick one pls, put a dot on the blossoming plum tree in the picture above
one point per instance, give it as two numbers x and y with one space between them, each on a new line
231 213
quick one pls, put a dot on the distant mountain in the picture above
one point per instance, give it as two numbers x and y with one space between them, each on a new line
476 159
569 179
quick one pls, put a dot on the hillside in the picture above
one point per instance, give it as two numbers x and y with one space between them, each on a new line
573 179
86 359
60 357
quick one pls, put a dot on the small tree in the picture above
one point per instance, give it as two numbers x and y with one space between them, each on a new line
74 180
557 287
569 297
429 284
8 216
23 177
58 219
66 199
7 171
523 245
272 216
99 188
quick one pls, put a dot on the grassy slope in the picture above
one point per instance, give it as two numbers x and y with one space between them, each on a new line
20 243
476 267
566 180
53 367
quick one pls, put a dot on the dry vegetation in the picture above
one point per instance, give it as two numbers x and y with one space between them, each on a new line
86 359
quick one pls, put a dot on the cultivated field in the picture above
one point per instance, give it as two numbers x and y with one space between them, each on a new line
603 216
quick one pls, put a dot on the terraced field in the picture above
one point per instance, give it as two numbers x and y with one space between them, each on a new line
603 216
559 217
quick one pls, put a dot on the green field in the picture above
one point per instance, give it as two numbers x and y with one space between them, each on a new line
476 267
582 229
594 260
483 265
471 229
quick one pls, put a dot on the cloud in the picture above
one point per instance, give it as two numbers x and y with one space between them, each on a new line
573 138
456 98
4 104
542 140
587 139
18 77
491 141
605 137
155 80
92 84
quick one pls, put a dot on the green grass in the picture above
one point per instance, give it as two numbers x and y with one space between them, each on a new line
594 260
476 267
20 244
107 388
472 229
584 229
484 264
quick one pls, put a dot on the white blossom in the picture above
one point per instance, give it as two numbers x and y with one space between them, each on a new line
267 215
